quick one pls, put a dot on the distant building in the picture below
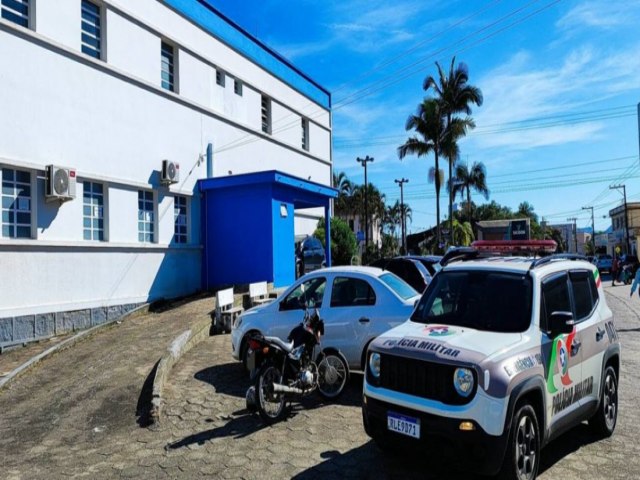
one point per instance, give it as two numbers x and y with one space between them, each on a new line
618 237
514 229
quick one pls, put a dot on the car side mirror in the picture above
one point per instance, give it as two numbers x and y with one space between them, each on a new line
561 323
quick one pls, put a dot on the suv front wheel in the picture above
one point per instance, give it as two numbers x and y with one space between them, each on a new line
522 458
604 421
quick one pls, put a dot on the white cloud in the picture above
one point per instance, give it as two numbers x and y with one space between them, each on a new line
518 90
598 14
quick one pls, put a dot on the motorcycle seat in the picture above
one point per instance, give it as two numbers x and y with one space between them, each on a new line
287 347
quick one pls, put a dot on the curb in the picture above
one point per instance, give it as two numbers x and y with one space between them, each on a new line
198 332
70 342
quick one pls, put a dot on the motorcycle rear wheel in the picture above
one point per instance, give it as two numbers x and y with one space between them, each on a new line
271 405
333 373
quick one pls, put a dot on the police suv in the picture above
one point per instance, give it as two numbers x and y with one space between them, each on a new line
501 355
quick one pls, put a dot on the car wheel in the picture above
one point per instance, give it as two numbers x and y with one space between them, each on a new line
522 457
604 421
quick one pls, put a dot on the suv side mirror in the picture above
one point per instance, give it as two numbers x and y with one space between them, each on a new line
561 322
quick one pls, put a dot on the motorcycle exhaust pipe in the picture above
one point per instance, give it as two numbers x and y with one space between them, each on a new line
278 388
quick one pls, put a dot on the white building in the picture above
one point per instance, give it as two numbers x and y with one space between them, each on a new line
108 89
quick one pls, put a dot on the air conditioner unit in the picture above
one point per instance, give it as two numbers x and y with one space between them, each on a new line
60 183
170 172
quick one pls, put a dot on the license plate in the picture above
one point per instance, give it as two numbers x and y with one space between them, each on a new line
404 425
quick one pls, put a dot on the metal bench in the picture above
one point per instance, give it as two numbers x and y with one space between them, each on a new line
226 313
258 294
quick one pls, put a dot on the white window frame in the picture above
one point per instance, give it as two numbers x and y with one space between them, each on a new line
97 212
179 237
237 87
304 123
221 78
30 18
147 217
173 86
102 38
30 208
265 115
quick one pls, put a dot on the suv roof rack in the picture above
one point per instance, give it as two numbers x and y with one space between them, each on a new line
557 256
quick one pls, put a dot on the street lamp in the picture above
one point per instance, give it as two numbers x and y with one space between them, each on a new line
403 224
363 162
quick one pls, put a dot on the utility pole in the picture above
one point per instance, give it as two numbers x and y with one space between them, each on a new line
403 225
544 228
363 162
575 233
626 213
593 230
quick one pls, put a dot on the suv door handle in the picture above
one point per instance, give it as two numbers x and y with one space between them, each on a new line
364 320
599 334
575 347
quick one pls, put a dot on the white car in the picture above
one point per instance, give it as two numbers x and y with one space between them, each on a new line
356 303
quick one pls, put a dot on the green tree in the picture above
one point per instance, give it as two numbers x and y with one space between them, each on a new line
343 240
493 211
462 234
429 127
454 95
466 178
344 204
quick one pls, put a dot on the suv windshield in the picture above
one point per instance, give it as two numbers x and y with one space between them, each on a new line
399 286
483 300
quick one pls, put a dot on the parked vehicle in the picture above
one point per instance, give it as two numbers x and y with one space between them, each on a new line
283 371
604 263
431 262
309 256
410 270
356 303
500 357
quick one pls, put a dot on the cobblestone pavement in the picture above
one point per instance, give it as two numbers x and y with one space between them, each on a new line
16 356
207 432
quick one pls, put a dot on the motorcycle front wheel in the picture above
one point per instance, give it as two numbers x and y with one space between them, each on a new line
333 374
271 405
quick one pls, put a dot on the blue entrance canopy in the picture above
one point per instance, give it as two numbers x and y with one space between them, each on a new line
248 226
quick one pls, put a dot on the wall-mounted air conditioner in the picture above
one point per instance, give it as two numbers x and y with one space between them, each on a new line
60 183
170 172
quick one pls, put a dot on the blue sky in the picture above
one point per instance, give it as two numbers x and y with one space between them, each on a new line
560 78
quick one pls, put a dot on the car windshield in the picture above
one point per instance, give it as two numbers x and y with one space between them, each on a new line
483 300
399 286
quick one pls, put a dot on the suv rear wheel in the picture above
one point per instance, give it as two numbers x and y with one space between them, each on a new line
604 421
522 458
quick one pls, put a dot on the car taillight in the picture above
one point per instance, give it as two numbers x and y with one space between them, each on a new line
254 345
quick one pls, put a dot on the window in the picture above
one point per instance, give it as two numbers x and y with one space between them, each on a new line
167 55
483 300
399 286
16 11
180 219
555 298
305 134
308 293
93 211
16 203
237 87
220 77
91 29
266 114
146 220
582 294
349 292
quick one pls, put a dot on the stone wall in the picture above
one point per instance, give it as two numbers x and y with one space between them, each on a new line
27 328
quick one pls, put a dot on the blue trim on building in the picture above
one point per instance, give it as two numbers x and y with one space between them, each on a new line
209 18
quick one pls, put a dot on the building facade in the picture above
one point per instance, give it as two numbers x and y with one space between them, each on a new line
111 112
619 236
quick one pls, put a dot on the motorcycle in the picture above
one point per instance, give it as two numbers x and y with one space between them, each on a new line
282 371
627 274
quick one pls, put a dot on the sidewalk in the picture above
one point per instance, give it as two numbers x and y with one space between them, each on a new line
12 359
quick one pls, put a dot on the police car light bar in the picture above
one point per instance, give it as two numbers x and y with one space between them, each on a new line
516 246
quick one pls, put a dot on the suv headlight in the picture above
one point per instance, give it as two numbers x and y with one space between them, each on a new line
374 365
463 381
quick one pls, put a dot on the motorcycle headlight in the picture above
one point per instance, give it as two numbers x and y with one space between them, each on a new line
463 381
374 364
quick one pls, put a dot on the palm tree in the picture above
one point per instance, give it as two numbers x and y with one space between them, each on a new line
344 203
428 124
455 96
462 233
466 178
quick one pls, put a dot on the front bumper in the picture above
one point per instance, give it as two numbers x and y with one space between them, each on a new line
472 450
